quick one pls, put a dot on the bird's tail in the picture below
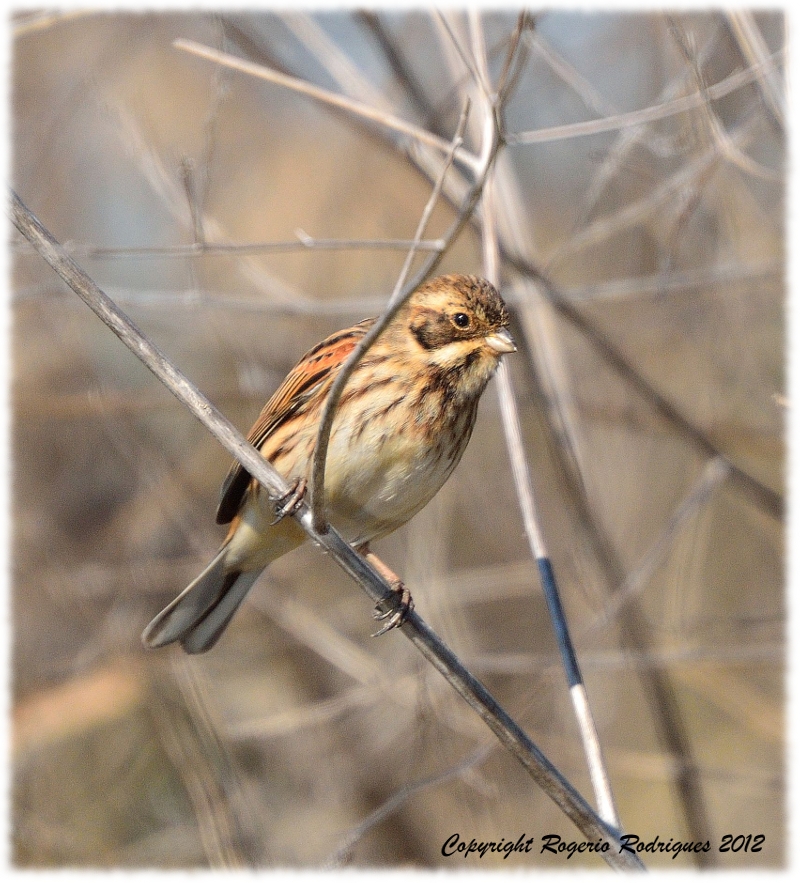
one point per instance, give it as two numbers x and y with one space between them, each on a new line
199 615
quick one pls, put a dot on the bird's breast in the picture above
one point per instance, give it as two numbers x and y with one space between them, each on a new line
380 474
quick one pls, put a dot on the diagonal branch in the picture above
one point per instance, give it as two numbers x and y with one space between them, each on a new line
325 96
398 298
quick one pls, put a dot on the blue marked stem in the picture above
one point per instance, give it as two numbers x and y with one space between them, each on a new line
559 621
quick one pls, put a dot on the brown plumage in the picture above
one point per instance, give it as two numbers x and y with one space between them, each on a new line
402 423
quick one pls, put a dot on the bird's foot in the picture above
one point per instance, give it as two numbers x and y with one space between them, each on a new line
394 610
290 502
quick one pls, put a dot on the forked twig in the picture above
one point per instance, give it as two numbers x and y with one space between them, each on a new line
427 642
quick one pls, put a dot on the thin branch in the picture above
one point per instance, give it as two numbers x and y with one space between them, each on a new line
588 93
402 71
468 63
334 59
768 499
39 21
636 660
635 630
164 185
325 96
312 715
414 628
524 488
675 281
754 49
664 146
429 206
688 175
195 249
653 112
514 60
188 178
420 157
398 298
715 472
337 858
719 134
204 766
394 244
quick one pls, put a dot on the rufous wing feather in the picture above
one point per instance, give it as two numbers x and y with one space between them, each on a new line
318 366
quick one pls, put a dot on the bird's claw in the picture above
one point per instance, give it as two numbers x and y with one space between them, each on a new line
397 609
290 502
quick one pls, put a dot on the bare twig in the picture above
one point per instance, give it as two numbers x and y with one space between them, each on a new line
398 298
204 767
524 488
403 71
727 149
334 59
754 49
771 501
419 633
309 716
690 174
675 281
394 244
397 799
196 249
715 472
188 178
39 21
652 113
514 60
358 108
657 688
444 23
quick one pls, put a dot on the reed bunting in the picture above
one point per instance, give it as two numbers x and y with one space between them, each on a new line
402 423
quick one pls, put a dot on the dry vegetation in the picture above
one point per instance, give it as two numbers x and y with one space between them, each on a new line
643 257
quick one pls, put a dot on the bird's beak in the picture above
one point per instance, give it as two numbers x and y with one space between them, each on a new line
501 341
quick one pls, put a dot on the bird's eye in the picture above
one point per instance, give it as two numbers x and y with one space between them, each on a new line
461 320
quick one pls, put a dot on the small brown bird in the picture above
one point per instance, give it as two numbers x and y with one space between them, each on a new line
402 423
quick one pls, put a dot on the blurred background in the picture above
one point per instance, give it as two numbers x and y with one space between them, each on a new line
639 203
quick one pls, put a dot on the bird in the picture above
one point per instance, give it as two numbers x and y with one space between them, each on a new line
401 425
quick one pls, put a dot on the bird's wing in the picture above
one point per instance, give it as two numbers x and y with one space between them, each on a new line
317 367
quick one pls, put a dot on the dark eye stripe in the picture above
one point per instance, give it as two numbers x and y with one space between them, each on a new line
431 329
